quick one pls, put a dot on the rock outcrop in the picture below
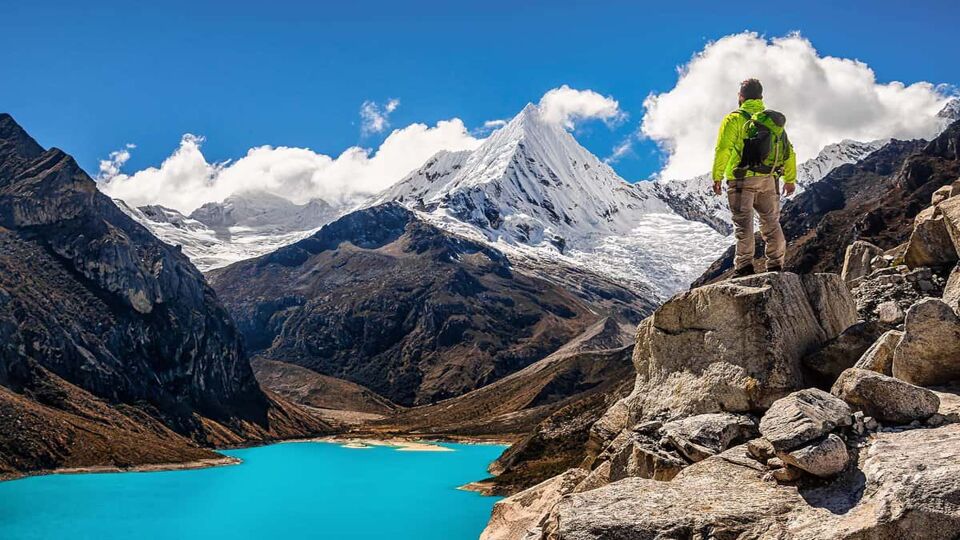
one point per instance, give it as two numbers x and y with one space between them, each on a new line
96 312
735 346
885 398
898 489
929 352
802 417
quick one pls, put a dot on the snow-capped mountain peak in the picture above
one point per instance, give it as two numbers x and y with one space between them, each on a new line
530 182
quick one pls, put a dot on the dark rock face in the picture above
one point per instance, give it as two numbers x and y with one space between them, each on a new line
875 200
385 300
90 296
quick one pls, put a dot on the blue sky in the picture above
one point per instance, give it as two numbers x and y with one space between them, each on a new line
91 76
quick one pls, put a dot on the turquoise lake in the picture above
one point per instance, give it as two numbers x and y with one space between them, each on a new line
282 491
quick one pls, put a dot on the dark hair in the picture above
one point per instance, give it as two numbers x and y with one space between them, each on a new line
751 89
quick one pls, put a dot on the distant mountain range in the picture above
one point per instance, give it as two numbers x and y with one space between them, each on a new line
530 190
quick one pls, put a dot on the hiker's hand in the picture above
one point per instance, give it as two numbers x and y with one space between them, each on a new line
788 189
718 188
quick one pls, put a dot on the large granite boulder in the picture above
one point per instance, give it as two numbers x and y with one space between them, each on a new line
885 398
951 291
930 243
644 458
879 357
950 209
825 458
802 417
929 352
856 260
734 346
701 436
517 516
905 485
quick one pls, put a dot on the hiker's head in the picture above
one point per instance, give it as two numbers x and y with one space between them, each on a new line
750 89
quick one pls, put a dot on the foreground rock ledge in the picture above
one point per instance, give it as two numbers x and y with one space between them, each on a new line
905 485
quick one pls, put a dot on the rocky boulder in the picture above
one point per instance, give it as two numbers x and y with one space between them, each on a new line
645 458
825 458
941 194
930 243
516 516
951 292
802 417
885 398
734 346
879 357
950 209
899 489
929 352
701 436
856 260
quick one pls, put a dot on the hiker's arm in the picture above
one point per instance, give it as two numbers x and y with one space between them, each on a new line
790 167
725 141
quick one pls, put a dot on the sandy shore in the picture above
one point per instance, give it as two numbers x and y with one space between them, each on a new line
398 443
152 467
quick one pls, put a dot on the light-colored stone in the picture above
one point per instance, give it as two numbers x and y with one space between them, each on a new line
825 458
788 473
879 357
734 346
929 352
832 303
598 477
905 485
701 436
941 194
951 291
885 398
516 515
856 260
802 417
761 449
930 243
645 460
950 209
890 313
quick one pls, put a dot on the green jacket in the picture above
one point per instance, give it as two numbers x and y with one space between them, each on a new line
730 145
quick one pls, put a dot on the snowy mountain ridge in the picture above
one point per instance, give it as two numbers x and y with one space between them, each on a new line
240 227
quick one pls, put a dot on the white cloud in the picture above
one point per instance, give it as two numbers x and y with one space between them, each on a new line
186 180
567 106
621 150
110 167
375 118
825 99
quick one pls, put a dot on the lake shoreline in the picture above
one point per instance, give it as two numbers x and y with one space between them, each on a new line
358 441
147 467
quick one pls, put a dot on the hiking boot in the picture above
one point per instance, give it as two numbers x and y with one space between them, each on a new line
743 272
774 268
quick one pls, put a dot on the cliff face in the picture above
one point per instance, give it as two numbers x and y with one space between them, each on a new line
91 301
386 300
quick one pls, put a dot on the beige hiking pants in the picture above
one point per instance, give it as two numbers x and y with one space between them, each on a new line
758 193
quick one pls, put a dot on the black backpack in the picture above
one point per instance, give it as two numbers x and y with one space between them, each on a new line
765 144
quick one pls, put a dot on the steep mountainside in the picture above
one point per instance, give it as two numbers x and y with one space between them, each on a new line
388 301
874 200
240 227
105 329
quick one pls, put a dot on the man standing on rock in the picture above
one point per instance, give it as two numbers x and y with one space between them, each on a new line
753 153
